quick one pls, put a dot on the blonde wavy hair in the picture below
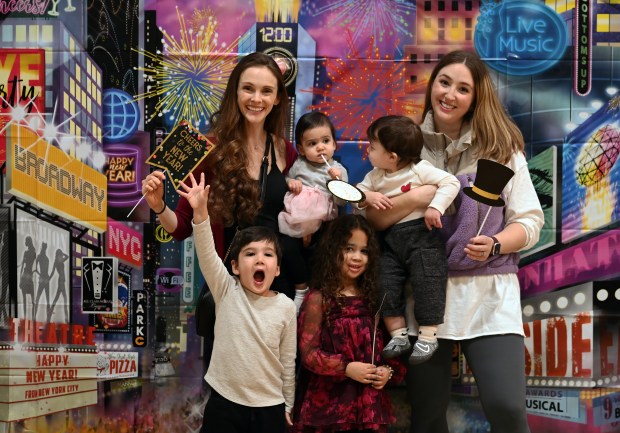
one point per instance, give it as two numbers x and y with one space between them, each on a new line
494 134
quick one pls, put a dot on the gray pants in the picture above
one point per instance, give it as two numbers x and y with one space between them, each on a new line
498 365
412 252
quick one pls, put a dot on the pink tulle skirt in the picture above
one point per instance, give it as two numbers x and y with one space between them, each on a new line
304 212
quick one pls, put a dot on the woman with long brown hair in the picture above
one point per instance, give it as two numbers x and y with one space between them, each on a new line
248 129
246 172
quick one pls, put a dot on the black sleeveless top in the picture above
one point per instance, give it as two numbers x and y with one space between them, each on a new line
273 201
275 189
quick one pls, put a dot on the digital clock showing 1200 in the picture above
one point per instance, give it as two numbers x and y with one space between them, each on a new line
279 40
278 35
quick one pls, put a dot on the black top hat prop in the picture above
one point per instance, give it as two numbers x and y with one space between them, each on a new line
491 178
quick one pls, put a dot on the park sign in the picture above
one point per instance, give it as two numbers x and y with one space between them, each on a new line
181 152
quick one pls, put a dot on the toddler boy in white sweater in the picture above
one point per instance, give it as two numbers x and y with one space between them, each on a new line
252 370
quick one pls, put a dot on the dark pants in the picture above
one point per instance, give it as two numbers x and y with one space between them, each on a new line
412 252
224 416
498 365
294 265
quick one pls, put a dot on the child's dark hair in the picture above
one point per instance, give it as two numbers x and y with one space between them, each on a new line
327 270
398 134
311 120
254 234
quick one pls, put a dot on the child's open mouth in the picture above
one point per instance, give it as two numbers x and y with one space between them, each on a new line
259 276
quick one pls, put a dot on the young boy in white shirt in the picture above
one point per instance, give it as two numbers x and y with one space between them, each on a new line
252 369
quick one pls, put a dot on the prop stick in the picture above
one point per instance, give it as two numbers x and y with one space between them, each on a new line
374 334
139 201
323 156
483 221
344 190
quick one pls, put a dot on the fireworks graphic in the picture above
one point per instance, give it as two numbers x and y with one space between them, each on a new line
199 18
383 21
362 89
590 187
112 28
191 73
614 103
281 11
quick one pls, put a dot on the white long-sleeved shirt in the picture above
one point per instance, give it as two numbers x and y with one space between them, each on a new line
253 359
413 176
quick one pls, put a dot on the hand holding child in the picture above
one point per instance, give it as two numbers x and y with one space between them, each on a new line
378 200
197 196
432 218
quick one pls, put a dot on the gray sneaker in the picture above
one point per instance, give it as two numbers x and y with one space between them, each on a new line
422 351
396 346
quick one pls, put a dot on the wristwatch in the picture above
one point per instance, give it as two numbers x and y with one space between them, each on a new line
496 246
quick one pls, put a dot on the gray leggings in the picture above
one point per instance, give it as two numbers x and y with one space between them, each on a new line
498 365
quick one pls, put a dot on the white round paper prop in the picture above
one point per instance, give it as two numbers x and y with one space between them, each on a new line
345 191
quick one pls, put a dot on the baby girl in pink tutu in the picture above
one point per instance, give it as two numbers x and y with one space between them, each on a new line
308 203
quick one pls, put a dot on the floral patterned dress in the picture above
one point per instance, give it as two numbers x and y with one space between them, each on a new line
327 400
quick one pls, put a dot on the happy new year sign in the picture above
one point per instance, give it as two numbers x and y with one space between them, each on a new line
181 152
35 383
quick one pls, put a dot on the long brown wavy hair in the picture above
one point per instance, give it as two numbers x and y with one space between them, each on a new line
494 134
234 194
329 258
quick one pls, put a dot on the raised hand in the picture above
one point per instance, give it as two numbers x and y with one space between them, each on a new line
197 196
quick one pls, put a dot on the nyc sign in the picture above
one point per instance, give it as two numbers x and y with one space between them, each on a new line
520 37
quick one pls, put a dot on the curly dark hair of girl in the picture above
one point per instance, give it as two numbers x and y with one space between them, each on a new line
327 269
234 194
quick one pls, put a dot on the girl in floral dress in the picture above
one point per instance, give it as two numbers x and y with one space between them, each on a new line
342 379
